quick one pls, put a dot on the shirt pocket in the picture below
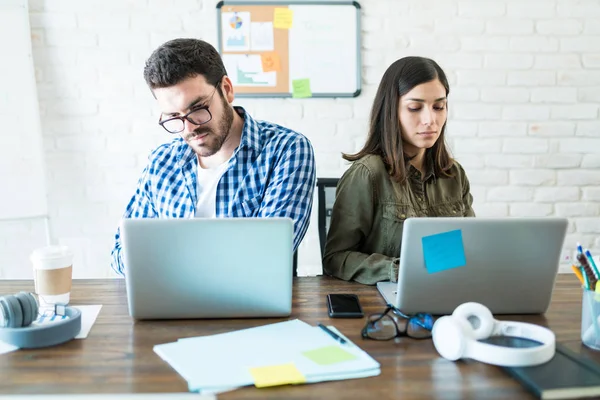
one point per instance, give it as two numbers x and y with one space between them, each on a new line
398 212
251 206
453 208
394 216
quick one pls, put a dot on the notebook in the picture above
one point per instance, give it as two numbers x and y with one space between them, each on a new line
567 375
291 352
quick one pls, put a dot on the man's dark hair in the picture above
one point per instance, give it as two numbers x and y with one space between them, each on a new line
180 59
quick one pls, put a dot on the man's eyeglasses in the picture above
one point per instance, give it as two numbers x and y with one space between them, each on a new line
385 326
197 116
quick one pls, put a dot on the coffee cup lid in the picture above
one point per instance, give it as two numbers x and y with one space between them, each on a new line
51 252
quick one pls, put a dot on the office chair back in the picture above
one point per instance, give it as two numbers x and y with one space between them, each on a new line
326 195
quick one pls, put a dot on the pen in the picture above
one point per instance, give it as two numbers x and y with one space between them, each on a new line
332 334
592 263
585 279
587 270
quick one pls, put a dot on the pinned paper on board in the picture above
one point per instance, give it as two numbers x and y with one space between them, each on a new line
247 70
329 355
283 18
261 36
275 375
236 31
270 62
443 251
301 88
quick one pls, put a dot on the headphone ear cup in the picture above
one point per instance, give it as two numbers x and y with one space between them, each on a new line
450 336
28 306
15 315
35 309
478 317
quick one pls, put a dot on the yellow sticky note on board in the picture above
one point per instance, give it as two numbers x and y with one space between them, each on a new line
275 375
270 62
283 18
301 88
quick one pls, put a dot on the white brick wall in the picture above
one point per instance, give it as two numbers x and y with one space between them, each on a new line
525 78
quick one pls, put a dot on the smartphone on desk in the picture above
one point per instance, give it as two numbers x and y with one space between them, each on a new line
344 306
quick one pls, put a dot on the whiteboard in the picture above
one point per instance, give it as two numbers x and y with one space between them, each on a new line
321 47
22 179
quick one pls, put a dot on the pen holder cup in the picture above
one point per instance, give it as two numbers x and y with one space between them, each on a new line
590 319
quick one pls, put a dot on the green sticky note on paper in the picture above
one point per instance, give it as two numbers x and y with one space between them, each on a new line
443 251
301 88
329 355
275 375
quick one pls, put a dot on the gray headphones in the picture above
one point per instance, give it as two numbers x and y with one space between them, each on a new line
19 311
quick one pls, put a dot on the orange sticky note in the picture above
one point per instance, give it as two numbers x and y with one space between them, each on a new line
283 18
275 375
270 62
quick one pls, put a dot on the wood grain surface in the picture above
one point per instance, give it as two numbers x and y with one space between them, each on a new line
117 356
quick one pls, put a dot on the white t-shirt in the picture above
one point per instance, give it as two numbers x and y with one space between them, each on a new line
208 179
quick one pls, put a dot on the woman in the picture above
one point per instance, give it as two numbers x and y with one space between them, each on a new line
404 170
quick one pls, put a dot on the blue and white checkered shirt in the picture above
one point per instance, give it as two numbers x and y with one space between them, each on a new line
271 174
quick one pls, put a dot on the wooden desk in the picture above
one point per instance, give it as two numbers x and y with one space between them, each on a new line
117 356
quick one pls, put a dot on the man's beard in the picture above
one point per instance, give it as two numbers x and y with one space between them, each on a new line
215 140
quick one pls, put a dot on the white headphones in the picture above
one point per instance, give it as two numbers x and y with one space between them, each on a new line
456 336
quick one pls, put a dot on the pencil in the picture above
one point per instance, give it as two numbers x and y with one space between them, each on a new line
578 273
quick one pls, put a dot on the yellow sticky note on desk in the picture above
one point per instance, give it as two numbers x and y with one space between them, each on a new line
275 375
301 88
283 18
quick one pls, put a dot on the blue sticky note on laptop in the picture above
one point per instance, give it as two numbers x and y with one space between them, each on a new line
443 251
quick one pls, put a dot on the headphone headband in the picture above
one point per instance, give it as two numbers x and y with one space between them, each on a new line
20 310
457 336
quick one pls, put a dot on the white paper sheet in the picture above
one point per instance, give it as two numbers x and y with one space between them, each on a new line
121 396
236 31
261 36
88 317
7 348
246 70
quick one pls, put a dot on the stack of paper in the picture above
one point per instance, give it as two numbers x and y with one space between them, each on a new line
287 352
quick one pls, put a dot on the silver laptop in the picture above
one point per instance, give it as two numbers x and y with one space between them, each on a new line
208 268
511 265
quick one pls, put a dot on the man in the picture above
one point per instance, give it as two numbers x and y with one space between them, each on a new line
222 162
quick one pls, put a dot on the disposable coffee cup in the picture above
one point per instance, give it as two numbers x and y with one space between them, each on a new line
52 274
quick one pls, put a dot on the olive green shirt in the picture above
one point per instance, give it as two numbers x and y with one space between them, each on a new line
363 242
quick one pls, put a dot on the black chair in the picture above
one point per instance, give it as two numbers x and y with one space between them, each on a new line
326 197
295 265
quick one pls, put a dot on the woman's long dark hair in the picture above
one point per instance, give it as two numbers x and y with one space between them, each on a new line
385 136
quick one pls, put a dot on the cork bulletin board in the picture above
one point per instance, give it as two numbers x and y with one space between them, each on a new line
291 49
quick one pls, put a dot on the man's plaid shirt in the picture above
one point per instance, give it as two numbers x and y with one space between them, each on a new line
271 174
